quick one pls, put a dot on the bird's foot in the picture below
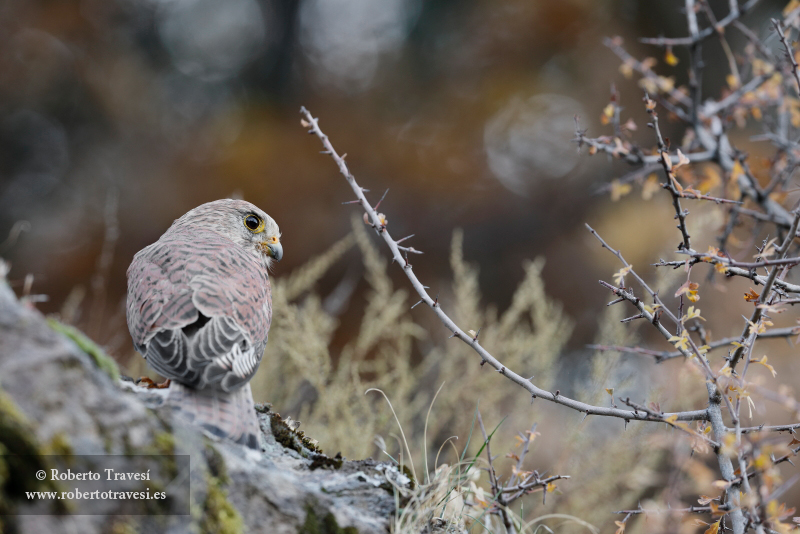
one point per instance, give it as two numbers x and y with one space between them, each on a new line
149 384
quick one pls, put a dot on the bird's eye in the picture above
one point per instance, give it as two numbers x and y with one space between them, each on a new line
254 223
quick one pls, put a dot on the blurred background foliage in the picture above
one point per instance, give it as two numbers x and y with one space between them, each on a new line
116 117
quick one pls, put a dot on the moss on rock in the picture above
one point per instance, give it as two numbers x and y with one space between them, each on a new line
220 516
101 359
326 524
407 472
164 443
163 446
216 464
17 438
320 460
59 445
124 526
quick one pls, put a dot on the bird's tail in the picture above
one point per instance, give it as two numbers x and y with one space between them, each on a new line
225 414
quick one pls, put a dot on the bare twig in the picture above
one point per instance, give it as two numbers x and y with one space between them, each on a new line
13 235
661 355
700 35
497 491
666 162
766 428
789 51
690 510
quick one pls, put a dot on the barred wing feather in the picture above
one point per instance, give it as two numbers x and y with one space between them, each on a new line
199 309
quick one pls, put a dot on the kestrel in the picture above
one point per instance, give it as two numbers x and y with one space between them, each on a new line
199 310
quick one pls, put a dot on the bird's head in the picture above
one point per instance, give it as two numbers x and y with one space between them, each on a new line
241 222
259 230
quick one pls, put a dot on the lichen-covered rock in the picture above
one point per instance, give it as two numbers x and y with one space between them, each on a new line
58 395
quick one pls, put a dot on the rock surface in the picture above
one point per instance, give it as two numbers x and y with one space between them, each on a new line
59 395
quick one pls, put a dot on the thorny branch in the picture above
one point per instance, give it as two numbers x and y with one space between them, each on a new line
499 497
520 483
313 124
661 355
714 395
672 183
746 490
789 52
767 296
707 123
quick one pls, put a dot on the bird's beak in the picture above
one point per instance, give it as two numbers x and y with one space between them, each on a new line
275 250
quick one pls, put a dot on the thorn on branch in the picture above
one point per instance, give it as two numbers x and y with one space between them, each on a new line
403 239
381 200
411 250
629 319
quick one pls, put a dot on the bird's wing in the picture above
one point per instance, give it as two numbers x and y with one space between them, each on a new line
199 309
